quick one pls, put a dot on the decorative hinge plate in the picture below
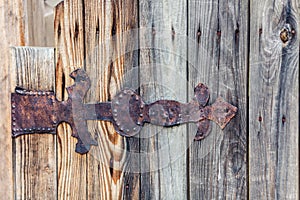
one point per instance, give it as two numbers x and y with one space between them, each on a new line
41 112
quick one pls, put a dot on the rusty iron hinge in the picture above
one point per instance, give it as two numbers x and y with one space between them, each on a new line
41 112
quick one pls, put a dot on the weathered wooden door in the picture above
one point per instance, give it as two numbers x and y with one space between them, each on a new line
245 51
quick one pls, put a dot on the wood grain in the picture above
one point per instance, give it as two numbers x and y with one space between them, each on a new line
34 156
217 49
11 21
178 45
274 100
163 56
110 43
39 23
69 43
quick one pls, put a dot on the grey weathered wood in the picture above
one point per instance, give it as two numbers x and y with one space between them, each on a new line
163 73
274 101
110 56
34 156
69 43
217 50
39 23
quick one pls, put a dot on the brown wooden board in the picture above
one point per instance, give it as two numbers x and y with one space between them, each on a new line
110 56
163 74
274 100
16 22
34 158
69 43
8 24
217 51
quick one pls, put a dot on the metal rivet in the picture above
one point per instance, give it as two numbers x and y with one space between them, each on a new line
127 130
115 115
30 129
121 128
13 106
43 129
117 102
134 128
25 129
138 122
49 129
137 98
118 124
120 96
115 110
141 115
142 106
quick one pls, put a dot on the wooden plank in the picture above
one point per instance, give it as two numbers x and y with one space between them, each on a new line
274 100
218 48
69 42
163 56
111 45
11 21
39 23
34 156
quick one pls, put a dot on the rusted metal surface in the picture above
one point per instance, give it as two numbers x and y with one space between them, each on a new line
41 112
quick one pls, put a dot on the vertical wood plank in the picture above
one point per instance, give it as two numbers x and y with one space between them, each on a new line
11 21
111 44
69 43
163 73
217 48
274 100
34 155
39 23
